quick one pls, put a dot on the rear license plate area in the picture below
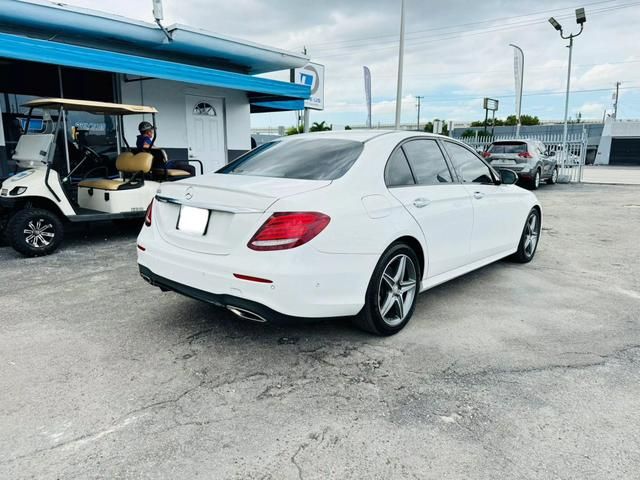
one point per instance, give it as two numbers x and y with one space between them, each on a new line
193 220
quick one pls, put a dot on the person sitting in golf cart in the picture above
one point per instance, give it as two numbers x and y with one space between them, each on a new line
161 163
145 139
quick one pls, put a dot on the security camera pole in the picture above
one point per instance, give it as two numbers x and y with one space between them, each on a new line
581 18
400 65
159 16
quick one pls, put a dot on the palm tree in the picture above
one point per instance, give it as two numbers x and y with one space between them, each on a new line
320 127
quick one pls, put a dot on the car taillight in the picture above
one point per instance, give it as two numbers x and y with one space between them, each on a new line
149 215
286 230
486 154
525 155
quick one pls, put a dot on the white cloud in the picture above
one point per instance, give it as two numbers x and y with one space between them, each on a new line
452 67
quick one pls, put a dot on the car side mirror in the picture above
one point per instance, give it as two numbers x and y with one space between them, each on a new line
508 177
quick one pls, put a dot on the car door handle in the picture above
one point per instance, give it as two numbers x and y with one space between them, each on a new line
478 195
421 202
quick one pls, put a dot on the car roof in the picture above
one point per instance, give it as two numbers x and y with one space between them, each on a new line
363 135
89 106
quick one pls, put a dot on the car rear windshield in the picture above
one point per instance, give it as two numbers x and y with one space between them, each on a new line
305 159
508 147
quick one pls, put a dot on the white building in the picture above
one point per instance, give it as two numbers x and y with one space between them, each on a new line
203 84
620 143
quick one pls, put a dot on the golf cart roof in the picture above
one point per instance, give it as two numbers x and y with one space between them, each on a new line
90 106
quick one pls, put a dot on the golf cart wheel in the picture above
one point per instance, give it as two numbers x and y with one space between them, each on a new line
534 183
529 238
35 232
392 293
553 179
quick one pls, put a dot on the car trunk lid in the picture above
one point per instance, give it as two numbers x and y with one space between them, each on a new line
236 204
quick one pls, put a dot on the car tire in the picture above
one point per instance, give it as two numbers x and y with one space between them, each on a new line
529 239
35 232
392 292
534 183
553 179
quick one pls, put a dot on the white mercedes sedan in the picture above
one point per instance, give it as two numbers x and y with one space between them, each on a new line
336 224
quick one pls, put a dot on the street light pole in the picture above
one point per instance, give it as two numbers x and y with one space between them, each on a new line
521 86
566 106
400 67
580 20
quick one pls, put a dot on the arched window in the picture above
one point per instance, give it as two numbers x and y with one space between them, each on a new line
204 108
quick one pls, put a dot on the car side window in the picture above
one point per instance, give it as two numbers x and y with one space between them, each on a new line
427 162
468 165
542 148
398 173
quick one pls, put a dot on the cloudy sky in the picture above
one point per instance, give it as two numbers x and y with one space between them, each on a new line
456 52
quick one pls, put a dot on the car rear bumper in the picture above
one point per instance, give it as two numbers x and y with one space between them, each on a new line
241 306
304 283
518 169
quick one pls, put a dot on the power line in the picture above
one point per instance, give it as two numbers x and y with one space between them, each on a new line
439 98
475 23
468 33
489 28
447 74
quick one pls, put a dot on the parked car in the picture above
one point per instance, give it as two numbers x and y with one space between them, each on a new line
336 224
528 158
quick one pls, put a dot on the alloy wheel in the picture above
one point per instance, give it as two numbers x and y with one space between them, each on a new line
397 290
531 234
554 175
38 233
536 180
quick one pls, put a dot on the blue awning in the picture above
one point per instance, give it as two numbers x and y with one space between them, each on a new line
259 90
283 106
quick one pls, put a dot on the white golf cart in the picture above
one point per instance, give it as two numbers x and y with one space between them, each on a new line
56 179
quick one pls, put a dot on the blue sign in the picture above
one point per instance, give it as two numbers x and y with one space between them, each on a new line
35 125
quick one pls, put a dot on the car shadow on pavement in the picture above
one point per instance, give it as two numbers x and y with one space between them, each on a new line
188 320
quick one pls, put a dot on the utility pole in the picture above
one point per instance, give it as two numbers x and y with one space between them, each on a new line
615 104
419 98
400 66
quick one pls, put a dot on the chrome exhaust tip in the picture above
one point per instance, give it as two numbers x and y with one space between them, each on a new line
246 314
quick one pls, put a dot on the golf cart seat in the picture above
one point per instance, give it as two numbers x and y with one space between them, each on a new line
159 168
129 165
171 172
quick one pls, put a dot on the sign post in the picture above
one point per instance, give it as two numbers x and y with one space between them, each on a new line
490 104
311 75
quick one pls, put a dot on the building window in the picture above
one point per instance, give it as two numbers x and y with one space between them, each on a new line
204 108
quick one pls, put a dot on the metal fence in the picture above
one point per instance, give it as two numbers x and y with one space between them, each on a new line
570 164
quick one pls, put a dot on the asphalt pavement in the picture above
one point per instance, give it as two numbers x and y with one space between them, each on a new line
513 371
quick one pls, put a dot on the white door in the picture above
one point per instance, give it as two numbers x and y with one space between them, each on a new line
497 209
417 175
205 131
